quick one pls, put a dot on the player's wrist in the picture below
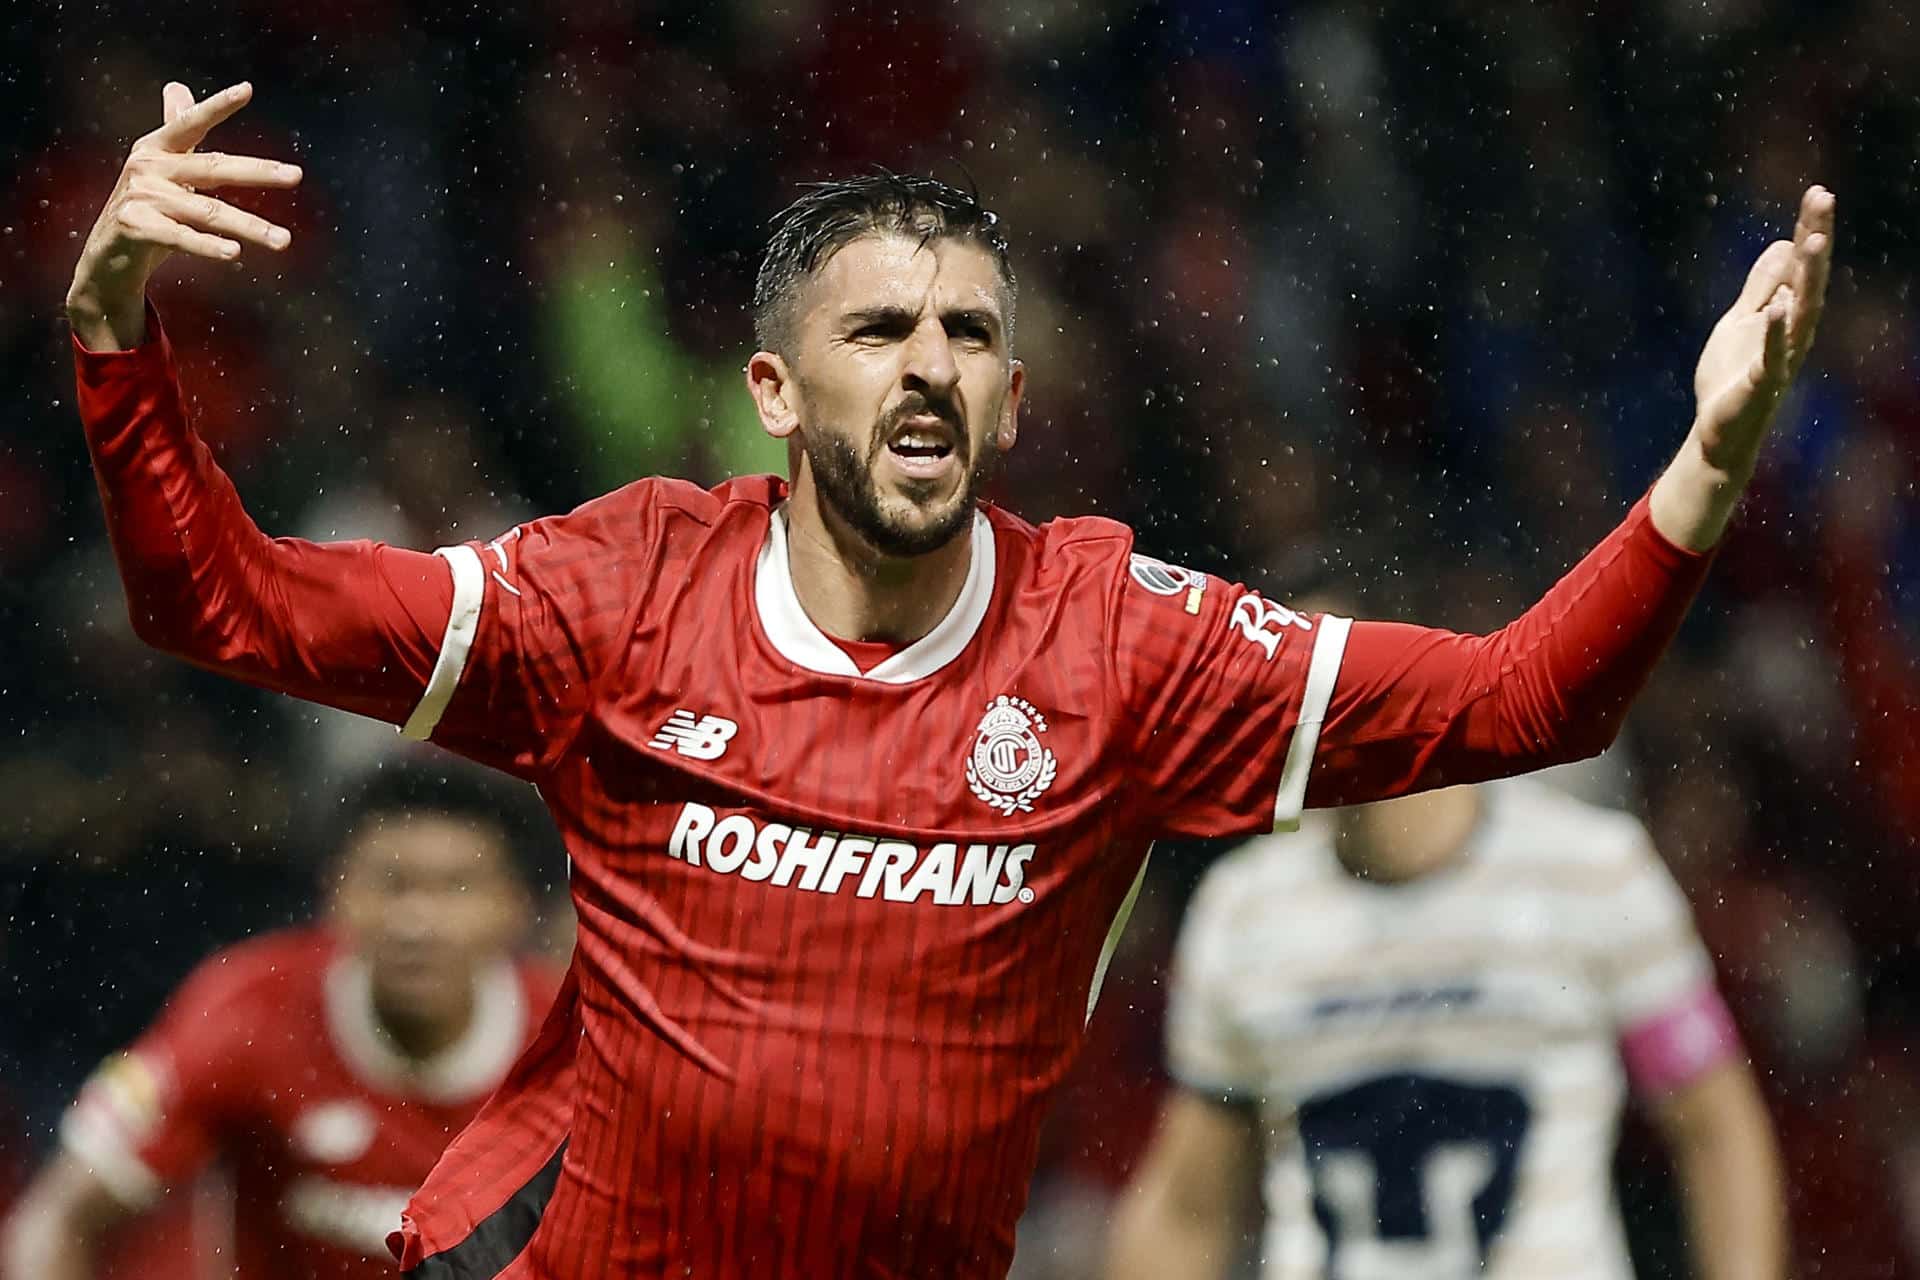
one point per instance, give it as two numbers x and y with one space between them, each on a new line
106 323
1694 498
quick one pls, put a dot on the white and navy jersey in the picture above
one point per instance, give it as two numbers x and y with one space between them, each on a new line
1438 1063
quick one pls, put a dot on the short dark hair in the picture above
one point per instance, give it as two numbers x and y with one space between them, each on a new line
829 215
449 790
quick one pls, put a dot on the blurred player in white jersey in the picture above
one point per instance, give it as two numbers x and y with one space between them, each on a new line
1422 1016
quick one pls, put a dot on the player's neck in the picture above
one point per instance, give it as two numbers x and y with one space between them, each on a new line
853 592
421 1035
1397 841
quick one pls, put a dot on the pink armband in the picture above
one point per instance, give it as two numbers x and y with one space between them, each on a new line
1680 1044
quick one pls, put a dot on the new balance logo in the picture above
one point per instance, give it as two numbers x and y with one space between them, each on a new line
704 738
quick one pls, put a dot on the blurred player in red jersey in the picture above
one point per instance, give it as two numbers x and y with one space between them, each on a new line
858 773
324 1068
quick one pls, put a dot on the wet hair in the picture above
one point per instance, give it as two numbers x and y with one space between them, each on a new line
503 810
830 215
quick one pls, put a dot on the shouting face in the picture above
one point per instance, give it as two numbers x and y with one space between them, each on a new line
898 388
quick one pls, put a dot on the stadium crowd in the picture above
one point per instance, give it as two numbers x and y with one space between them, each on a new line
1395 296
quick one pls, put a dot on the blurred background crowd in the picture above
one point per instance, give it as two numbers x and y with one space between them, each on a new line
1400 296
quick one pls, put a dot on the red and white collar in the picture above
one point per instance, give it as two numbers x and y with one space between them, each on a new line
794 634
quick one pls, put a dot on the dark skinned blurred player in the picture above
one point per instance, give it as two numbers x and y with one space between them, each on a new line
325 1068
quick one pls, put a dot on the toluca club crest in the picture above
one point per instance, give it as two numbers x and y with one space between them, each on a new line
1008 768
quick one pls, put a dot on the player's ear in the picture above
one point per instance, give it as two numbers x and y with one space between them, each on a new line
775 394
1009 428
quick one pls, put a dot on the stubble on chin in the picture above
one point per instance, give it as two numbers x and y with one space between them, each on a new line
846 484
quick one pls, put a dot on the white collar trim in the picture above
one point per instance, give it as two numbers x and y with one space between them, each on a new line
469 1067
802 643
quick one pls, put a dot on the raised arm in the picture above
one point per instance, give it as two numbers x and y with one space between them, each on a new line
352 625
1750 359
491 649
159 207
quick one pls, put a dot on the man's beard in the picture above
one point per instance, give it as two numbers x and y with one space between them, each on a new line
846 484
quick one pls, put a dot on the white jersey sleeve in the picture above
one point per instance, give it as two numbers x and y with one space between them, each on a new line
1644 951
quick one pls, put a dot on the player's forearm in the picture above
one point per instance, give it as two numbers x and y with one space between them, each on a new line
1694 498
1416 708
39 1243
205 584
1155 1238
1729 1171
45 1256
184 544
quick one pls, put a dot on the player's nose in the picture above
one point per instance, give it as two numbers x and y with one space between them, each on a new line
930 365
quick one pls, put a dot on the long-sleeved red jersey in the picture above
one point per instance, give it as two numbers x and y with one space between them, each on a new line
839 931
271 1059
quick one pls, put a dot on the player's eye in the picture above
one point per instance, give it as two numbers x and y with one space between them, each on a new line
975 333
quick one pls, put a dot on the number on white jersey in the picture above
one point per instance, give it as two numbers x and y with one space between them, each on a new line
1412 1175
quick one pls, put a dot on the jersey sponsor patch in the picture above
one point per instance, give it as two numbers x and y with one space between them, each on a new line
126 1092
832 862
1008 768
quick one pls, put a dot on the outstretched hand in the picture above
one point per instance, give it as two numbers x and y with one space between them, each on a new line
1757 348
158 207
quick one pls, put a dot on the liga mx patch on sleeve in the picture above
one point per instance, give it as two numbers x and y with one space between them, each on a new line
126 1092
1163 579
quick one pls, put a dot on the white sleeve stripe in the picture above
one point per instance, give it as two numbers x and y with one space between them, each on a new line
94 1142
1329 646
469 589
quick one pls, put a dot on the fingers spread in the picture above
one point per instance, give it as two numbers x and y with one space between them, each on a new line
156 228
204 170
184 131
208 214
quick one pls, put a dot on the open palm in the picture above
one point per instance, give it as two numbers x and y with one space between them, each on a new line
1758 346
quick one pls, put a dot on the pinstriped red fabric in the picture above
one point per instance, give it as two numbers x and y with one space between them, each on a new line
834 955
838 933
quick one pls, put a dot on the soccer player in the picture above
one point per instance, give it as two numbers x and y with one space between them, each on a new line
1409 1026
326 1068
857 772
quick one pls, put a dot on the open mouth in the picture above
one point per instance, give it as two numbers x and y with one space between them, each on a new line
922 442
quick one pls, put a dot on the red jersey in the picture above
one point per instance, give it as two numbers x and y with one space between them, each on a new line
839 931
270 1061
